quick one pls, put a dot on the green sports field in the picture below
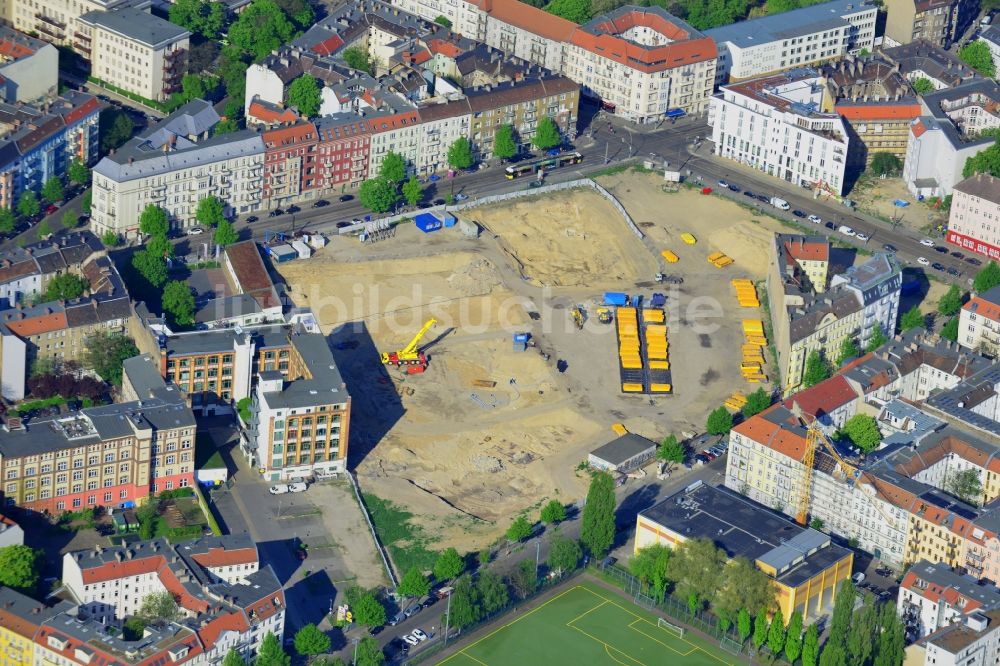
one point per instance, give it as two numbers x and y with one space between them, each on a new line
587 625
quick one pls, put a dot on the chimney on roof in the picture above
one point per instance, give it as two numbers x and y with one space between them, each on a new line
119 556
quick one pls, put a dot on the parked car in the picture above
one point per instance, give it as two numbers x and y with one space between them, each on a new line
320 203
297 487
846 230
798 213
723 184
942 249
438 202
293 209
345 197
734 188
195 231
701 459
413 609
923 261
858 578
830 225
862 236
461 197
815 219
397 618
410 639
429 601
375 631
763 198
748 193
958 255
51 208
954 272
419 635
252 219
276 212
938 267
973 261
708 454
341 225
279 489
927 242
889 247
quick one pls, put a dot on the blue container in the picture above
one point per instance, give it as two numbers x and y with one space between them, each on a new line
450 220
658 300
521 337
427 222
615 298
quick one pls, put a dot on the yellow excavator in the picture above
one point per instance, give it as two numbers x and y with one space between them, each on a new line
409 358
578 317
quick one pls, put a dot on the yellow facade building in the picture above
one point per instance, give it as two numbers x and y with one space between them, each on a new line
20 618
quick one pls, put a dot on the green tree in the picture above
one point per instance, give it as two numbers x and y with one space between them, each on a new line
889 650
413 191
848 349
160 247
357 58
743 625
553 512
68 220
965 485
719 422
104 353
564 554
193 87
65 287
226 126
810 646
491 591
225 234
232 69
843 608
309 641
158 608
443 20
520 529
271 654
233 658
153 221
465 608
863 432
886 164
151 267
505 142
951 302
950 330
922 85
86 201
115 128
213 19
460 154
696 567
759 630
111 239
776 634
987 278
756 402
261 28
671 450
649 565
817 524
19 568
449 565
28 205
378 194
43 229
912 318
393 168
186 13
369 653
877 339
781 6
414 584
793 642
300 11
834 654
210 212
859 637
577 11
304 95
977 56
547 133
598 530
7 220
178 301
817 369
985 161
524 579
78 173
369 611
743 585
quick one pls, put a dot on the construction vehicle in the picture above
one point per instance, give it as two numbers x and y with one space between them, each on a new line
409 357
578 316
604 315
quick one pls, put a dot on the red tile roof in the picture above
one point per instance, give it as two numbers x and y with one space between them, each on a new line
13 50
220 557
269 114
55 321
918 128
82 111
823 398
281 137
214 629
443 47
808 251
328 45
984 308
883 111
113 570
530 18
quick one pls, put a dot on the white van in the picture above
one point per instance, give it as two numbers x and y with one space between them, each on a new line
779 203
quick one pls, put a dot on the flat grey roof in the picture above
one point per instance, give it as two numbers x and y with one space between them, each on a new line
786 25
137 25
326 386
623 449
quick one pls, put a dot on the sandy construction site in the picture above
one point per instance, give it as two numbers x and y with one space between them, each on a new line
487 431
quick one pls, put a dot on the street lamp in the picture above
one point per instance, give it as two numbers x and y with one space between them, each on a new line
447 620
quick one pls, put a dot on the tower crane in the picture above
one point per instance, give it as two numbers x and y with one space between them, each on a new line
409 357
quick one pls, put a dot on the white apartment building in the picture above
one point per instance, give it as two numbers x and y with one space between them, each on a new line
975 641
174 165
29 67
974 220
441 125
134 50
393 132
53 20
935 596
801 37
775 124
979 323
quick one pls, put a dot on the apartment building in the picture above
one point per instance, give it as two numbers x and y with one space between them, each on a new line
114 455
38 143
174 165
973 641
805 566
54 20
20 619
878 104
393 131
948 133
26 271
134 50
777 125
807 36
807 316
979 323
343 148
922 60
291 169
212 368
229 600
301 411
991 37
974 219
29 67
940 22
936 596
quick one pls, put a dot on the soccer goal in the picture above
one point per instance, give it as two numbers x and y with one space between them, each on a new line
731 646
669 626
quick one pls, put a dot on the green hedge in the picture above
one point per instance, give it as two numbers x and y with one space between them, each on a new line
130 95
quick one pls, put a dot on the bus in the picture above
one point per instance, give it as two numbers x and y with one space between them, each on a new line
529 168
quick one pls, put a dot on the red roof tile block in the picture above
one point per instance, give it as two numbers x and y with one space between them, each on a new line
823 398
220 557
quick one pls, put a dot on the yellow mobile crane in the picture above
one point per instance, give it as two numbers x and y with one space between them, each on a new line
409 357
